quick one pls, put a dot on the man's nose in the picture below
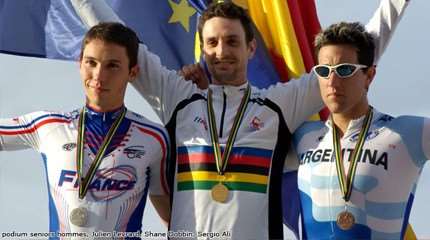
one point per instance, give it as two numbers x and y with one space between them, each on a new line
333 79
99 74
221 49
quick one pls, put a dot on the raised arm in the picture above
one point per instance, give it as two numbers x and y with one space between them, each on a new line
384 22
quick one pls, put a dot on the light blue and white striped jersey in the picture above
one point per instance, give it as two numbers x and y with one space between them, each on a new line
388 169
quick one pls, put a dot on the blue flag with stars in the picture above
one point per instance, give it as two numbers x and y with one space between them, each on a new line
51 28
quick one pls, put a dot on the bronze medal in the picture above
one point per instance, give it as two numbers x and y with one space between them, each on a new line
219 193
345 220
79 216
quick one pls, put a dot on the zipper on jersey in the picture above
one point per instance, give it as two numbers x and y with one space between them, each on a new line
224 106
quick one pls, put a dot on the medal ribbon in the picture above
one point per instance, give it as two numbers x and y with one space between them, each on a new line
221 161
345 181
85 181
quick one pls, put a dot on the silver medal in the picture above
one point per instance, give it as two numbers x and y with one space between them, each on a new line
79 216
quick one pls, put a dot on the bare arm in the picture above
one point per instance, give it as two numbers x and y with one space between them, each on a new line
161 204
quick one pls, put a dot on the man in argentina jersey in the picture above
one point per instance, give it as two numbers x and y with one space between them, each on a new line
250 208
130 150
356 183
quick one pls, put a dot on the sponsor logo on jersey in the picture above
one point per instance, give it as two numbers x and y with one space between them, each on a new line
135 152
370 135
69 146
137 115
386 118
107 184
256 123
201 121
74 114
369 156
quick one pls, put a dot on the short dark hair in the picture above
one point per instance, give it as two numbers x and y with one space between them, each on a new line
229 10
348 33
116 33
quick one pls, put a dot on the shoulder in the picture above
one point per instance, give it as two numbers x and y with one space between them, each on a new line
404 122
145 125
49 116
409 128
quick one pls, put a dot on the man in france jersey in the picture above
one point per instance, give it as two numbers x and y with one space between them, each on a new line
102 160
359 169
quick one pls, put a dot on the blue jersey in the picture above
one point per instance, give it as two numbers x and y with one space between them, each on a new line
133 165
389 165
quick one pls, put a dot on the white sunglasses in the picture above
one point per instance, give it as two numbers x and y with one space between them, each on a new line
342 70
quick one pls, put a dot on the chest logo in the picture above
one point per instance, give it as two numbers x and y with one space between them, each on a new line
256 123
135 152
108 183
370 135
201 121
69 146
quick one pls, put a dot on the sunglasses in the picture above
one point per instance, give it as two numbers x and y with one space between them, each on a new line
342 70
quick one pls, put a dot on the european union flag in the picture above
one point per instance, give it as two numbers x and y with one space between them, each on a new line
167 27
51 28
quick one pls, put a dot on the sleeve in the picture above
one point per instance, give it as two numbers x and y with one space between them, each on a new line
298 99
158 182
162 88
426 138
291 161
20 132
384 22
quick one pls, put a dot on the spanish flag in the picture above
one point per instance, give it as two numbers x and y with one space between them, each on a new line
288 28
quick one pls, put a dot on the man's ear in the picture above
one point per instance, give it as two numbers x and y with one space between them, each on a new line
134 71
370 73
252 47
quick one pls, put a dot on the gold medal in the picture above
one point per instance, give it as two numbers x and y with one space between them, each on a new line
345 220
219 193
79 216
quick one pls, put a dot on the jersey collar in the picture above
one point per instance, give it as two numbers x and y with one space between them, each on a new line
355 124
104 116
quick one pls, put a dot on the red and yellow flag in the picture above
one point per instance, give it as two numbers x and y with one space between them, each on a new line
288 28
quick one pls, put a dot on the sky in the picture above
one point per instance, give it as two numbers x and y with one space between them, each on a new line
31 84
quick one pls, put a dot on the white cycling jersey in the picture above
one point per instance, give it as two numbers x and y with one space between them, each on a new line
133 165
388 168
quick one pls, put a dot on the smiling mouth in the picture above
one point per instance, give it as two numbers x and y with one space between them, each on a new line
224 64
335 95
99 89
